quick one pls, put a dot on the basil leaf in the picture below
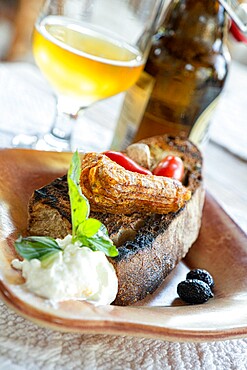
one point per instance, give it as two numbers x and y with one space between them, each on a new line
89 227
39 247
99 244
78 202
104 245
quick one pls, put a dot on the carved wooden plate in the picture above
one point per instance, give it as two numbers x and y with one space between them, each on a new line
221 248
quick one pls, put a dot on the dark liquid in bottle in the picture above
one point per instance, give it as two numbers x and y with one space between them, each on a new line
189 61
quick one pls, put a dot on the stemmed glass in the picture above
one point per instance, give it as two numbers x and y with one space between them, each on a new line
90 50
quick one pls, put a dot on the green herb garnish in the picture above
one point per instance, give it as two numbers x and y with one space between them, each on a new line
40 247
89 231
78 202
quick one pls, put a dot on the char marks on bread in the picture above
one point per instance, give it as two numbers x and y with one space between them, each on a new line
150 245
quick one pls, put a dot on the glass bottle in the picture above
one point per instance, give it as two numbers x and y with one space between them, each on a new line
189 63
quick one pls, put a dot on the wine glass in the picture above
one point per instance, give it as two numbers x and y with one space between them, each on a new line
90 50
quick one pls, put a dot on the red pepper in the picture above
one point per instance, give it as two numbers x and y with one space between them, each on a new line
239 36
126 162
170 166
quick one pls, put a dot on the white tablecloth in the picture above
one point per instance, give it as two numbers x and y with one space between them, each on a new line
26 105
24 346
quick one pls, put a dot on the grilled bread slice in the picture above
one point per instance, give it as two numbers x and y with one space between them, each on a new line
150 245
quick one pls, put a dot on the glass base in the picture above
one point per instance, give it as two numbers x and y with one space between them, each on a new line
24 141
50 142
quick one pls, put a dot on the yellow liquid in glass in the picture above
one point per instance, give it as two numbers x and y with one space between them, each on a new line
80 62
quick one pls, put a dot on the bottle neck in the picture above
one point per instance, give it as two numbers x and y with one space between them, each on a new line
194 27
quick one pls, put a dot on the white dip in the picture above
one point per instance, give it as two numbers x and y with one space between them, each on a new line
74 273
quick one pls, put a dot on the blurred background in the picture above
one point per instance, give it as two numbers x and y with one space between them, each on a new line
16 23
17 18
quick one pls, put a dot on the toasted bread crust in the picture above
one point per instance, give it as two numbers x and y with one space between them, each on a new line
150 245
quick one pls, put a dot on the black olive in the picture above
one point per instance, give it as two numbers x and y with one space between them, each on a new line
194 291
201 274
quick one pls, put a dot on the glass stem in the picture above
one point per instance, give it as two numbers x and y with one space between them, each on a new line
60 135
63 125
